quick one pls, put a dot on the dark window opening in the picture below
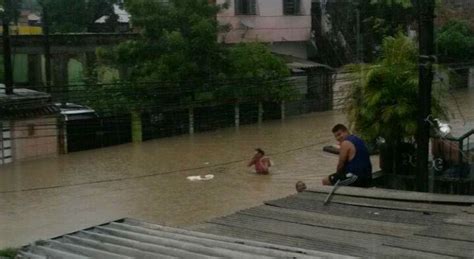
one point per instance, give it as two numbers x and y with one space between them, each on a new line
291 7
245 7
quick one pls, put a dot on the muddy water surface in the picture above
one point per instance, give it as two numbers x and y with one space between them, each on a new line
50 197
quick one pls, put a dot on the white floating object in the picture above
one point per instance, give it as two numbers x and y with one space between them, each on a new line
200 178
208 177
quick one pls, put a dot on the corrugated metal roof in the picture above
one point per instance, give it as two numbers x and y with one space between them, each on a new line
129 238
367 223
25 103
24 112
21 94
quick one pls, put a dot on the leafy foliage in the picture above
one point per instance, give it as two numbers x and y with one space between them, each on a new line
178 48
455 41
12 9
260 74
179 40
404 3
8 253
2 70
378 19
384 101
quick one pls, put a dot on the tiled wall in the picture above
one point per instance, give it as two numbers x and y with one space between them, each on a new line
34 138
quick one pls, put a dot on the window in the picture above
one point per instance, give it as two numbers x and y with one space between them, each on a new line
291 7
246 7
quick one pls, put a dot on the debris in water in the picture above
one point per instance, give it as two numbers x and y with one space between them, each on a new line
200 178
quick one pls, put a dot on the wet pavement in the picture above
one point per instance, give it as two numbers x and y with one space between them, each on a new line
49 197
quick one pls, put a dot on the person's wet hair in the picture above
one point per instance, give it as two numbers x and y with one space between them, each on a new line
259 150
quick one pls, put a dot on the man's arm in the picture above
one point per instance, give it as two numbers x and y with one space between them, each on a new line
343 155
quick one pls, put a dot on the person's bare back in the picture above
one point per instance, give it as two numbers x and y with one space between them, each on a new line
261 163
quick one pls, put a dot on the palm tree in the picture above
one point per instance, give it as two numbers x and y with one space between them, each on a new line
383 101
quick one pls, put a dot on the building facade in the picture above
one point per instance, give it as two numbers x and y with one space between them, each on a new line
284 24
28 126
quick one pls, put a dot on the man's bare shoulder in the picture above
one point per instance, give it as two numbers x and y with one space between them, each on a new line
346 144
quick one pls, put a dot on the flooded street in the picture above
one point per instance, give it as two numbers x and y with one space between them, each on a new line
44 198
49 197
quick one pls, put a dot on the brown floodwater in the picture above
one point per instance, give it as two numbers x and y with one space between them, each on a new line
49 197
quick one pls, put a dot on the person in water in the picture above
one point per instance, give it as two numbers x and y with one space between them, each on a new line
261 163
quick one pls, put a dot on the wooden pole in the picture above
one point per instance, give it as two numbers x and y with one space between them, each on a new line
426 38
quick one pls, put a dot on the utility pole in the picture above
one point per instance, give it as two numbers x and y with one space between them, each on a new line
426 36
47 49
359 39
7 53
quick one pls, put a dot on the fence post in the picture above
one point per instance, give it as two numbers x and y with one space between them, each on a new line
2 151
283 110
191 120
237 115
136 126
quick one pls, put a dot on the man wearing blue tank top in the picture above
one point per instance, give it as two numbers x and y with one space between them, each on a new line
354 167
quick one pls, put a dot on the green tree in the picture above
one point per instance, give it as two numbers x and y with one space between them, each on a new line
455 41
177 47
350 37
179 40
8 253
2 70
261 75
383 100
75 15
404 3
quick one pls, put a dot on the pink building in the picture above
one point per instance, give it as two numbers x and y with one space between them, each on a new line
284 24
28 126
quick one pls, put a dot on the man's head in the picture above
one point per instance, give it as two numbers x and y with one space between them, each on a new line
340 132
260 151
300 186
